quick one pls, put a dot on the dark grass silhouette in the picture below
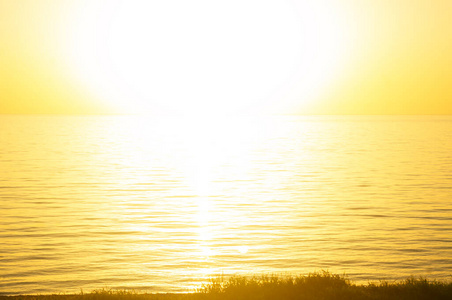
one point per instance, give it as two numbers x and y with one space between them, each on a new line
323 285
315 286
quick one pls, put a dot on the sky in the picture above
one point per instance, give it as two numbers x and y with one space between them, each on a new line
247 56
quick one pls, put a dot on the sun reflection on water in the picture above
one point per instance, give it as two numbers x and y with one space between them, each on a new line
214 145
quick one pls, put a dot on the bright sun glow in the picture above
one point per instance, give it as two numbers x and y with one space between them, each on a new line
202 56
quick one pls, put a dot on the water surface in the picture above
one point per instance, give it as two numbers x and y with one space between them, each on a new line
162 204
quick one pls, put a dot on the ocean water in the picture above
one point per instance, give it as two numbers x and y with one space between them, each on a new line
161 204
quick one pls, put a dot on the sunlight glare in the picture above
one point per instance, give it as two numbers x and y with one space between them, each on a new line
204 57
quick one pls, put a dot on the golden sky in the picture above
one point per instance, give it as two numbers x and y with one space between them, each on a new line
298 57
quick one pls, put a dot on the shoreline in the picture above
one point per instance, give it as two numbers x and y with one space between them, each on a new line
322 285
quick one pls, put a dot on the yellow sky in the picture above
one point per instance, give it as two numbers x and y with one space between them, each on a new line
306 57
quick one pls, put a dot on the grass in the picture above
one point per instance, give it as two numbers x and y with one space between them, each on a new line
318 286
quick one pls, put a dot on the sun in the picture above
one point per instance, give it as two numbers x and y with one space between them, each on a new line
205 57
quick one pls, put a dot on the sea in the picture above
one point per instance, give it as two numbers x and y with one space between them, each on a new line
162 204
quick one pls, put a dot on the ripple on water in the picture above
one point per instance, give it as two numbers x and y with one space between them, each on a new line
164 208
